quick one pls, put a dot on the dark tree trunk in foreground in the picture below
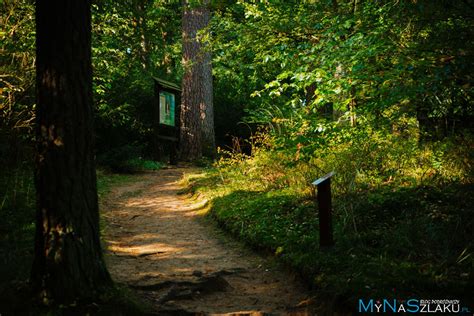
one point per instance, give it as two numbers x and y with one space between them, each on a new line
197 119
68 263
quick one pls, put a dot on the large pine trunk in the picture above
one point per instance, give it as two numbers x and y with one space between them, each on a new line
68 263
207 106
197 119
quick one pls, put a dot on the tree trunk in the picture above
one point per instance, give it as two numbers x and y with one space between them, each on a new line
139 9
197 118
191 138
68 263
352 106
207 106
207 110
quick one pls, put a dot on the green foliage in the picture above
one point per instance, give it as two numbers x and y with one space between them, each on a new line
17 57
17 39
391 62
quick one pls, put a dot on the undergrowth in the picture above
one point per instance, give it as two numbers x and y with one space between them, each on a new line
402 213
127 159
17 205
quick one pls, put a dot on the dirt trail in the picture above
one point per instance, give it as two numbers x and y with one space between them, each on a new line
157 245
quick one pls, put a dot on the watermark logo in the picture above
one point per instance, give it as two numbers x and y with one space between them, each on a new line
413 305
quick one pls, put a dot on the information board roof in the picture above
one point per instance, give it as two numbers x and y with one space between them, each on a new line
167 84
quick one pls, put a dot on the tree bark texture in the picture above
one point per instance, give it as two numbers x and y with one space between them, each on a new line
197 119
207 106
68 263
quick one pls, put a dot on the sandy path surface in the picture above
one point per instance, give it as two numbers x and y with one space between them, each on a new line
159 245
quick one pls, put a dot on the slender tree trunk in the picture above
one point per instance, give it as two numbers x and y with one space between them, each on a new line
140 7
197 118
68 263
351 107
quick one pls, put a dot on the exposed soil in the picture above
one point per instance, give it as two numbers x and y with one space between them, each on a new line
159 245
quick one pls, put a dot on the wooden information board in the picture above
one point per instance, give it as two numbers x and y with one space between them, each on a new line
166 119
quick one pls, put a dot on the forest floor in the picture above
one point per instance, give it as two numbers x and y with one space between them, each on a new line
160 245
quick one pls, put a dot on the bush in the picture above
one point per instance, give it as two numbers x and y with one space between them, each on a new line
127 159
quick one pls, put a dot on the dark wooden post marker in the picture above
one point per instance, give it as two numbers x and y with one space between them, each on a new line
325 209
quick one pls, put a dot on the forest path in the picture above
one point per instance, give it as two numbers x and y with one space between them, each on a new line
159 245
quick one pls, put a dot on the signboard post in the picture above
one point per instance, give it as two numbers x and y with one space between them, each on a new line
166 123
325 210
